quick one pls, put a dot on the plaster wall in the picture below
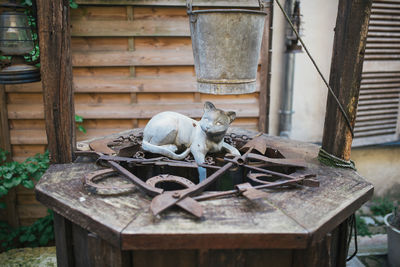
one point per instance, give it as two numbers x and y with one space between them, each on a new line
381 166
309 99
378 164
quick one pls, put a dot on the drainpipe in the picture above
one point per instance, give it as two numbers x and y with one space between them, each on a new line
292 47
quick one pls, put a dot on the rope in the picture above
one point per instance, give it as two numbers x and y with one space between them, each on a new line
352 225
332 160
318 70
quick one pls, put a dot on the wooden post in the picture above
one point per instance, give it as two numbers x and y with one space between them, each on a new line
5 144
265 79
56 70
347 61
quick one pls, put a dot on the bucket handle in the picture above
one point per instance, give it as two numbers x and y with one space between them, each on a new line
189 6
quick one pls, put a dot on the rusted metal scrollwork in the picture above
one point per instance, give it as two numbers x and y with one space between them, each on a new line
258 168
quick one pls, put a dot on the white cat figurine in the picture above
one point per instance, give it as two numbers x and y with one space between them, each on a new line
168 131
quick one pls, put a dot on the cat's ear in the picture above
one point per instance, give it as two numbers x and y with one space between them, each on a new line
231 115
208 106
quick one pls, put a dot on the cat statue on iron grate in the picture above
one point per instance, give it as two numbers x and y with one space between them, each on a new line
167 132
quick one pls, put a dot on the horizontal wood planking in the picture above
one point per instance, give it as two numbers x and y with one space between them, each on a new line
120 57
139 111
122 43
135 58
177 27
236 3
122 84
38 136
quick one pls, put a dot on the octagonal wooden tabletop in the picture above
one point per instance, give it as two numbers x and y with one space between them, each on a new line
286 218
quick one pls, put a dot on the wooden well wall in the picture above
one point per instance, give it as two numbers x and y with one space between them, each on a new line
131 60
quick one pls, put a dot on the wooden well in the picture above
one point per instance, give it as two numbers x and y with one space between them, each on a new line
291 227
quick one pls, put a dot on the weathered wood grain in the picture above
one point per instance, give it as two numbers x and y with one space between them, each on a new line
102 254
104 84
159 57
287 218
141 111
63 237
56 73
236 3
265 73
5 144
345 75
149 27
93 213
80 246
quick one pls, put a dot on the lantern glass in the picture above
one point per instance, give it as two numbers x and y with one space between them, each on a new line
15 34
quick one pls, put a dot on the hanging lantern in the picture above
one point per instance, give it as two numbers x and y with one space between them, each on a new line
16 41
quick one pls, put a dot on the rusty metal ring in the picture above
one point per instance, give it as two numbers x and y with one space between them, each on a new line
153 181
92 187
254 177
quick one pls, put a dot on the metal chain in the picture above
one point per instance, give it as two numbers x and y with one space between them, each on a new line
318 70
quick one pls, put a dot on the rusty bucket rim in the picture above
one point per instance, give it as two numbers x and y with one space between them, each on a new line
229 11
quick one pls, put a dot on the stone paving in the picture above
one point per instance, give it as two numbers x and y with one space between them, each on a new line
29 257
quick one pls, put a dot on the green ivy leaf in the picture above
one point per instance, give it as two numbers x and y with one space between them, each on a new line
8 175
27 2
81 128
37 175
28 184
32 168
78 118
31 237
43 240
73 5
23 238
3 205
3 191
17 180
8 184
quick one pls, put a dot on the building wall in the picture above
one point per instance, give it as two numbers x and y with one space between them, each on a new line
318 22
381 166
378 164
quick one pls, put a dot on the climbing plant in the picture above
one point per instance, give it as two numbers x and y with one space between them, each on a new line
13 174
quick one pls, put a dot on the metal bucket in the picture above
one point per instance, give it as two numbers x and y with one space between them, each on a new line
226 47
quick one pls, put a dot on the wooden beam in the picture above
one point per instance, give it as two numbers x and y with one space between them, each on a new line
345 75
4 128
56 70
265 72
5 144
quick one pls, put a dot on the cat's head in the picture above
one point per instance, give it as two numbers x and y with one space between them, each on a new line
215 122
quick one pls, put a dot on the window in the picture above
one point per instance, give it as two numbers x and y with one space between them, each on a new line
378 119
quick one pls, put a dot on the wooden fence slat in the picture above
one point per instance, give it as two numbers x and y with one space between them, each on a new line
5 144
143 27
139 111
158 57
104 84
135 84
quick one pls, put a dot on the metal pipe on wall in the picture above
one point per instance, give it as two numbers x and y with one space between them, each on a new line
292 7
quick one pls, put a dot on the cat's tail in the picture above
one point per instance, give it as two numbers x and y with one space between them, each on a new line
164 151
